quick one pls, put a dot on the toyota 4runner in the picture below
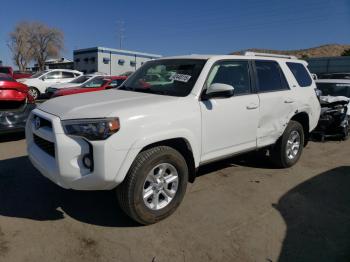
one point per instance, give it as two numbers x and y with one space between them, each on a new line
148 137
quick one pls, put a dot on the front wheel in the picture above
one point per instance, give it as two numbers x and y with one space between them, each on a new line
154 186
287 150
34 92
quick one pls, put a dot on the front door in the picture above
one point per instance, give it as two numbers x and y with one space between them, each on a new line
229 125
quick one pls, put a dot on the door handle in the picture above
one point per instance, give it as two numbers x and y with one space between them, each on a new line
289 101
252 106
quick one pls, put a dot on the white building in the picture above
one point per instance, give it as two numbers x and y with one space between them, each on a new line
109 61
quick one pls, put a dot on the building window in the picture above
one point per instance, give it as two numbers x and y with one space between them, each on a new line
121 61
132 63
77 60
106 60
86 60
92 59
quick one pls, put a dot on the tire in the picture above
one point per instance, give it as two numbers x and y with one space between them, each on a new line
282 154
145 168
34 92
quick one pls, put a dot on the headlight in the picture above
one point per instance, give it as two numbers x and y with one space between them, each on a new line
92 129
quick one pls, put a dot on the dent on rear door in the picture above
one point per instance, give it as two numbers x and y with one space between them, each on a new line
275 112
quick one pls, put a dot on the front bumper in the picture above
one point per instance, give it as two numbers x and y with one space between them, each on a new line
60 158
15 120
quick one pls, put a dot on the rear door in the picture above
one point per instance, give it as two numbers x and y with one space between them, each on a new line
277 101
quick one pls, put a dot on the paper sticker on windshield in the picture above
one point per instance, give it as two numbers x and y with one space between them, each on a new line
180 78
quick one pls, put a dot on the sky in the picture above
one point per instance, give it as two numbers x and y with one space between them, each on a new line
184 27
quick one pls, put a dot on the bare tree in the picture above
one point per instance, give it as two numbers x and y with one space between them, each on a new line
46 42
19 44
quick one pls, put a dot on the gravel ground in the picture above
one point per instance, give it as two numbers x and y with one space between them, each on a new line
241 209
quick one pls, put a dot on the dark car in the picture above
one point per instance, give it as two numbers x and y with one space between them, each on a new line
15 104
334 76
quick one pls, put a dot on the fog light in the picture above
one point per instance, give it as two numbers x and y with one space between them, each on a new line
87 161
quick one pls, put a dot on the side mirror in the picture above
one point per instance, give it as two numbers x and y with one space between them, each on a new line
219 90
318 93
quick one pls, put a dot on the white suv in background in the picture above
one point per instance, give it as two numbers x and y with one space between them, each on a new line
147 138
38 82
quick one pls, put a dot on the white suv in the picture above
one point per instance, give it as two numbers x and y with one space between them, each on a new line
38 82
148 138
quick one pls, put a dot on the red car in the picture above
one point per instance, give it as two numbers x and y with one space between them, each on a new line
95 84
15 104
16 75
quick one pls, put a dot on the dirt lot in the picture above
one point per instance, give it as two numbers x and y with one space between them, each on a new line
237 210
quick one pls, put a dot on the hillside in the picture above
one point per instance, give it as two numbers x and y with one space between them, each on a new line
320 51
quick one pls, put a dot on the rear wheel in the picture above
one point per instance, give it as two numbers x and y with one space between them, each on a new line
34 92
287 150
154 186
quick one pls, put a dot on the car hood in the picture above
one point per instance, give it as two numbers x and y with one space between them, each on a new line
28 81
102 104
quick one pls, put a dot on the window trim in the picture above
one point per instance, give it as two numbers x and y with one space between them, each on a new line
281 73
252 83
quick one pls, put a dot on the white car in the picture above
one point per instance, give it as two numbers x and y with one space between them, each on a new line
147 140
38 82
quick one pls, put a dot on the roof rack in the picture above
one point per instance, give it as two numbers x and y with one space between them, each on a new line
248 53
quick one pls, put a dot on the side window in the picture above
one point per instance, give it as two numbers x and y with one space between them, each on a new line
270 76
67 75
234 73
53 75
300 73
116 82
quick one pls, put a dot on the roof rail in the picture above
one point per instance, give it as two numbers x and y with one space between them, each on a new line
248 53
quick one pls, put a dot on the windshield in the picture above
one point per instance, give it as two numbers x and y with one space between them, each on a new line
39 74
5 70
95 82
7 78
334 89
173 77
80 79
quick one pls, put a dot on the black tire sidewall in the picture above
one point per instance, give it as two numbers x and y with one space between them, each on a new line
292 126
167 156
36 91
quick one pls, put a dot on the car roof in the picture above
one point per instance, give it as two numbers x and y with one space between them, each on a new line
65 70
336 81
248 56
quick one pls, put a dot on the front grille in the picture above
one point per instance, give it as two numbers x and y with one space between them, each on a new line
45 145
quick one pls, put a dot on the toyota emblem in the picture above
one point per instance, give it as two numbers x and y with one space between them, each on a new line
37 123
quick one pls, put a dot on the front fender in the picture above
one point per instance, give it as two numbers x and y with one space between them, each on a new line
141 143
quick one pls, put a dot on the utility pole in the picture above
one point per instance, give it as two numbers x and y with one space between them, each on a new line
121 32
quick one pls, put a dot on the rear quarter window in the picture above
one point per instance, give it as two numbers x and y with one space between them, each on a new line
300 73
